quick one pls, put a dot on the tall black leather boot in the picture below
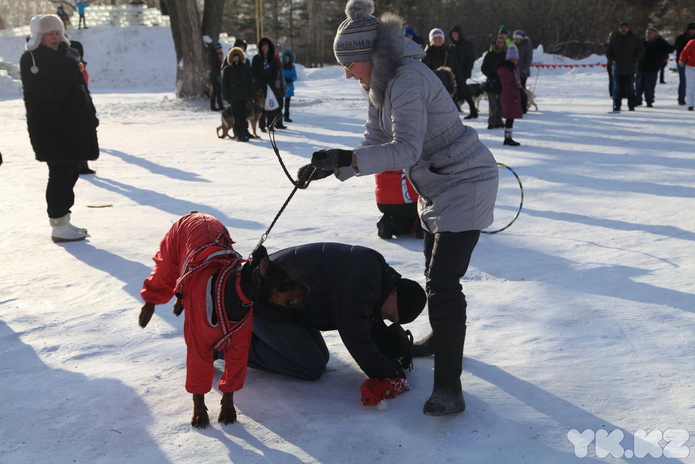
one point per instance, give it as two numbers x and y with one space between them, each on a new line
447 397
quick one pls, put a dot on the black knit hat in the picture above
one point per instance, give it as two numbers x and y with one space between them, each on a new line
411 300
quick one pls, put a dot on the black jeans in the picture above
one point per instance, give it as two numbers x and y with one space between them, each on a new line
60 195
447 256
625 89
216 95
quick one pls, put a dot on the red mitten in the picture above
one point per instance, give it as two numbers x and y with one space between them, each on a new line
375 390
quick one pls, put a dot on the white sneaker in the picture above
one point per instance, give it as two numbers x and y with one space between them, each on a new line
62 232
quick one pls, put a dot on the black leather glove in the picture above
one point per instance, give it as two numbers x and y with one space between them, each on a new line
308 173
328 160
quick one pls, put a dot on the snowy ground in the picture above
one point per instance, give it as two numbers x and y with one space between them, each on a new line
581 315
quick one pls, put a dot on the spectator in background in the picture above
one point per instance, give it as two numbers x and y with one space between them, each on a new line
437 56
655 47
625 49
289 71
504 33
465 56
525 48
397 200
410 33
82 65
267 72
62 14
687 61
237 89
216 55
681 41
493 87
61 118
510 80
80 11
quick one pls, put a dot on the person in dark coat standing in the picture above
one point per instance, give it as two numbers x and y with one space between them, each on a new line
216 59
508 73
681 41
625 49
61 118
267 72
655 47
493 87
237 90
465 56
352 290
437 56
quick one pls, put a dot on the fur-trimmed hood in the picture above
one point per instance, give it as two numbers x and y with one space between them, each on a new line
236 51
392 49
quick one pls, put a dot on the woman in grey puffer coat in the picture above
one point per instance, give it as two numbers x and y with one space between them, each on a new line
413 124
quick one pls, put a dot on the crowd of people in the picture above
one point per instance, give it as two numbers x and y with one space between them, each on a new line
634 65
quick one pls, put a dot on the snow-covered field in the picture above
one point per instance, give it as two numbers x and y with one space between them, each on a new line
581 314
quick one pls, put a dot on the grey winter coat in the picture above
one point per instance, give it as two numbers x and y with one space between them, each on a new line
413 124
525 56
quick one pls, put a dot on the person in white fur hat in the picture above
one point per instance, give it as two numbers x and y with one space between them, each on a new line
413 125
61 118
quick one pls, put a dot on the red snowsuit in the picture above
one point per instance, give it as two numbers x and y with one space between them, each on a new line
196 248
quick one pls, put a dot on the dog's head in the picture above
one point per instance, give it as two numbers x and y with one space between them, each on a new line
271 283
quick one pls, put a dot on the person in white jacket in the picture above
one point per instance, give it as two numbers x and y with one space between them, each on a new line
413 124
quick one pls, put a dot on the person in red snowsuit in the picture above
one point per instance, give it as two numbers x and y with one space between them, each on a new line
196 253
397 200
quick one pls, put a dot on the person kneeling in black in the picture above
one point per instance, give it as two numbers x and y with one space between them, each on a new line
352 290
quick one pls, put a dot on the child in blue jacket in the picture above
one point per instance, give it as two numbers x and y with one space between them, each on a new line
290 73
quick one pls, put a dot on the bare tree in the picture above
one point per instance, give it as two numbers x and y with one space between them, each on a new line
212 18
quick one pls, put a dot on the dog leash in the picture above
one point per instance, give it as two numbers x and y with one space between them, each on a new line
302 182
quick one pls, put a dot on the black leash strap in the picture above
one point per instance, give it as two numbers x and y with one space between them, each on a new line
303 182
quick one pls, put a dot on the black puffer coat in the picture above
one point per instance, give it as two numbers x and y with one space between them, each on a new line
348 287
237 83
625 51
61 117
655 52
266 71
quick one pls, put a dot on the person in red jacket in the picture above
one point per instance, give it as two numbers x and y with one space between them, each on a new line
397 200
687 61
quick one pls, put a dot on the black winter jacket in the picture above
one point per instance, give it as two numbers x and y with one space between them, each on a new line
464 53
625 51
441 56
237 82
266 71
61 117
348 285
489 68
655 52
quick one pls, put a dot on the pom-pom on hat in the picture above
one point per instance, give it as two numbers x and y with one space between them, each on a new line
512 53
42 24
411 300
436 32
356 36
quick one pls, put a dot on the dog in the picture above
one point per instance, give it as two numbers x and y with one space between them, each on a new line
530 99
476 92
253 114
197 264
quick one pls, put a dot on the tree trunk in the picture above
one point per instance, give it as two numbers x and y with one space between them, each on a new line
191 69
212 19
